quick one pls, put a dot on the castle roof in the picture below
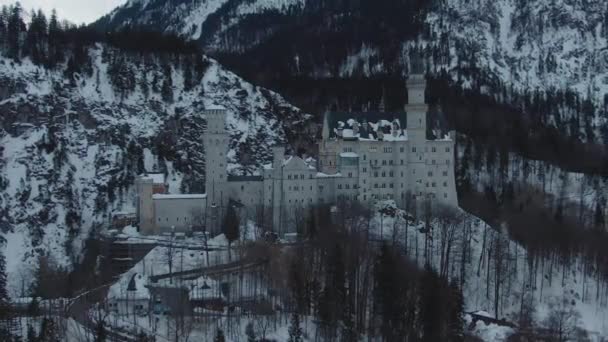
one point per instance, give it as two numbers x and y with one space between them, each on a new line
366 125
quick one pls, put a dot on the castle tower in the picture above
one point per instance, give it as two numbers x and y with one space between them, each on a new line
145 206
215 140
416 130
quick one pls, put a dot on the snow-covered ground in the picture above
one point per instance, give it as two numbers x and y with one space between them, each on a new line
70 157
564 283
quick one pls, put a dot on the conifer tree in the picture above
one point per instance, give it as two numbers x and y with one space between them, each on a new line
4 298
219 336
230 228
295 330
456 307
15 27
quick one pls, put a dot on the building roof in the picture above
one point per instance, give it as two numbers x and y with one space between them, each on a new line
368 124
178 196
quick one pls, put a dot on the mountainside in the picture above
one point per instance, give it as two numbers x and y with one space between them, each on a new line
546 60
72 144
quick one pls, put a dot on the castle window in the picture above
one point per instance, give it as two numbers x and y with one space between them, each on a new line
339 186
433 184
383 174
420 158
384 162
364 157
445 195
310 176
364 197
376 174
445 173
390 185
433 161
447 162
301 176
427 184
391 174
347 186
433 149
321 188
430 173
376 185
414 171
383 185
311 188
242 188
445 184
447 149
350 175
159 219
401 149
402 162
288 176
390 162
414 149
364 169
178 219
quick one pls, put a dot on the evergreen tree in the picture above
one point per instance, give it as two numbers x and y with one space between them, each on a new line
250 332
295 330
31 334
230 227
5 306
188 75
219 336
100 332
456 307
48 331
14 29
167 87
55 41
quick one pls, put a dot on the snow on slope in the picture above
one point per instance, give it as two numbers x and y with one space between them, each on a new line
547 284
71 149
187 18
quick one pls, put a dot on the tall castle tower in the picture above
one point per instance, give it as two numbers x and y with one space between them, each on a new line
216 140
416 130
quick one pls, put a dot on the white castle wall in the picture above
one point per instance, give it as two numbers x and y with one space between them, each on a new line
402 166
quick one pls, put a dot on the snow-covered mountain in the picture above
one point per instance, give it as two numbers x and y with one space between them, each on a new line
72 146
508 49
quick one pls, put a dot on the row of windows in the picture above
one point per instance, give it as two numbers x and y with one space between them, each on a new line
297 188
433 184
290 177
445 173
346 186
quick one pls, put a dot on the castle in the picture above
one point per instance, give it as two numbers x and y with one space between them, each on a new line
363 157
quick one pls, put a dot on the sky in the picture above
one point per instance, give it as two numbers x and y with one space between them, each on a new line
76 11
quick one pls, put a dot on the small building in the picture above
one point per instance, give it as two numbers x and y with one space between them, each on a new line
130 298
123 219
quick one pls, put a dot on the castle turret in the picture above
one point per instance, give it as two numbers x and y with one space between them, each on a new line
278 155
216 140
145 205
416 131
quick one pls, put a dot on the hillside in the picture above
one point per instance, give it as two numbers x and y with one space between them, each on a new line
72 145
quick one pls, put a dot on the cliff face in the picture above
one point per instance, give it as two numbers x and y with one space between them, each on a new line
72 145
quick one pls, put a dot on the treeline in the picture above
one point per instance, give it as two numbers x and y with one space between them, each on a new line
353 286
50 41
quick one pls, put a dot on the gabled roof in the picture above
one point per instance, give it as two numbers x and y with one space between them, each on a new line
296 163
